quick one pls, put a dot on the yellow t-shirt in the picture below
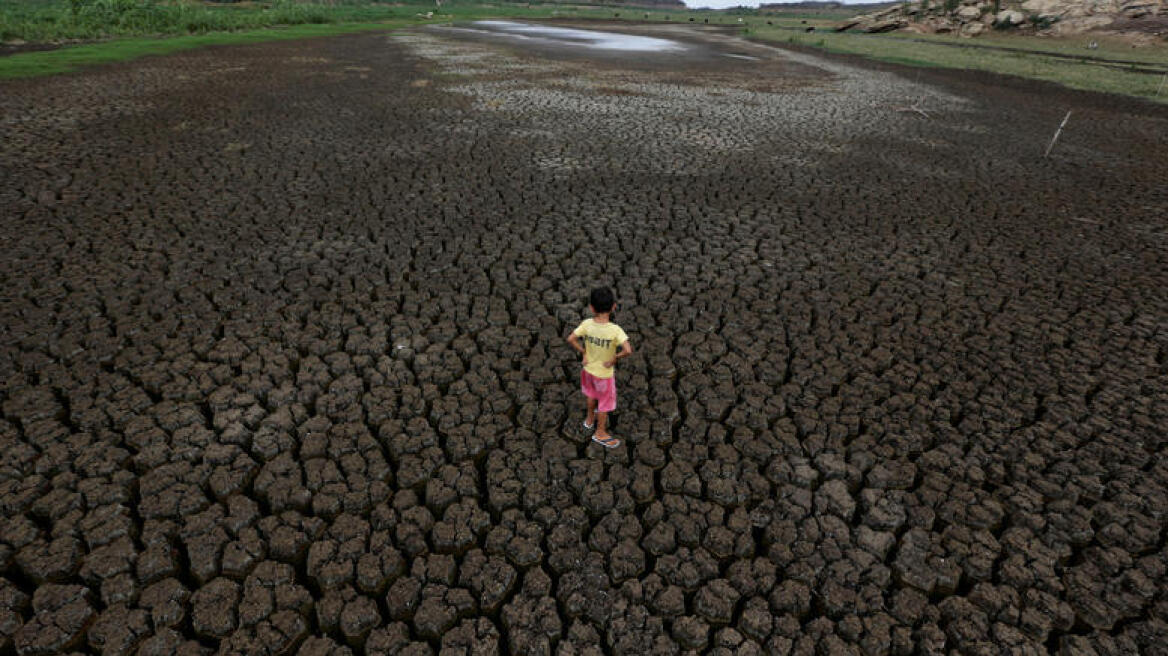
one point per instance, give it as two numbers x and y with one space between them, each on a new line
601 340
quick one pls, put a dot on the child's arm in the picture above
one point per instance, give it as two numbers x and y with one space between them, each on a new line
574 342
626 351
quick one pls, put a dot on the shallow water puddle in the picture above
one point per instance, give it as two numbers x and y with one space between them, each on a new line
593 39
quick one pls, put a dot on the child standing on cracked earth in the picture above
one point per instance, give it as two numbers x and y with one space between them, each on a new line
602 338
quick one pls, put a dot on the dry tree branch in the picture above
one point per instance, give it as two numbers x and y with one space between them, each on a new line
915 107
1056 134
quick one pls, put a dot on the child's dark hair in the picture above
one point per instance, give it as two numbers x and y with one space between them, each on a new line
602 299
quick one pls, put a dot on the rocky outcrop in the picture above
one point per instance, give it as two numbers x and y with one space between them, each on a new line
973 17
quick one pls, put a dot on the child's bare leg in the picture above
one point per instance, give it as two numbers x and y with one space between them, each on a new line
590 418
602 425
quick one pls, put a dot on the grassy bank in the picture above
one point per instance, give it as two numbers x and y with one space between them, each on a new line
126 29
39 21
1031 58
118 30
46 21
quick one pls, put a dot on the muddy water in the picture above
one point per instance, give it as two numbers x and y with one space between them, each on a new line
576 38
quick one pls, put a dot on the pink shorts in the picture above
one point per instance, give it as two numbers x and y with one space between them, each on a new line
601 389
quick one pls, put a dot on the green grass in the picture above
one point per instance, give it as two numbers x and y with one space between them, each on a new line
41 21
1107 47
44 21
1033 65
145 27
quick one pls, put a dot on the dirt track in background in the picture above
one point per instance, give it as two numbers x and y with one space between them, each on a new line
283 366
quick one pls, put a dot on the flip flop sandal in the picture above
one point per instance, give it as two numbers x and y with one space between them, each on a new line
607 442
588 426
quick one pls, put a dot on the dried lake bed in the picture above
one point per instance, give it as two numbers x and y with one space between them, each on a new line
283 362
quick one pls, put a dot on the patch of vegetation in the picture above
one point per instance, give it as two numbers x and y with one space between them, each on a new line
72 20
117 30
915 51
1042 22
56 21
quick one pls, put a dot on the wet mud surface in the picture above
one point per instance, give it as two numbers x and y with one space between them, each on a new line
283 368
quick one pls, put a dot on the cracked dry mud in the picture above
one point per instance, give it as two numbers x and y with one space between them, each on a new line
283 367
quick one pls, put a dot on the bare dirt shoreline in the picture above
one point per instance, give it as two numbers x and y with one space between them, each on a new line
283 367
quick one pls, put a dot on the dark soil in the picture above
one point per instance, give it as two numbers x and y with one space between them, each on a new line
283 366
13 49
